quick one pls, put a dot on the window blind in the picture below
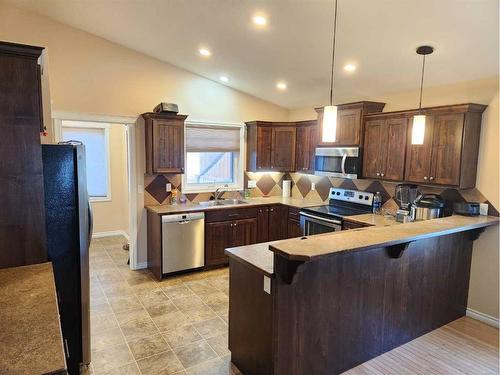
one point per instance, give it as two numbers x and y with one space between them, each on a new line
212 138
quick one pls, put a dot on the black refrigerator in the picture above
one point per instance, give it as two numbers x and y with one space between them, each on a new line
69 230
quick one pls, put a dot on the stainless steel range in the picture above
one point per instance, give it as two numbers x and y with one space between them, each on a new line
328 218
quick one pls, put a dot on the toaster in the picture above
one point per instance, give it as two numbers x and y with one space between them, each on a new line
466 208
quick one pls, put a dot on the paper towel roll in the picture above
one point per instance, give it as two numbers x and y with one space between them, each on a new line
286 188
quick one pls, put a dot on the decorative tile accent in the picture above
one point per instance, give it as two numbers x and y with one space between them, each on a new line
271 184
266 183
377 186
157 188
323 187
304 185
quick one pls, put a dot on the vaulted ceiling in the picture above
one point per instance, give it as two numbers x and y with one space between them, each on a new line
378 36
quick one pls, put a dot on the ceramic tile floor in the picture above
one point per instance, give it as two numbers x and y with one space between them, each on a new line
141 326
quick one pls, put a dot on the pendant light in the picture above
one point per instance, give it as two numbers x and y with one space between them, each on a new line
418 129
329 125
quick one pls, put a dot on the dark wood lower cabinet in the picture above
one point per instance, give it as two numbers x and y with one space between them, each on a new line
294 229
278 226
346 225
333 313
218 236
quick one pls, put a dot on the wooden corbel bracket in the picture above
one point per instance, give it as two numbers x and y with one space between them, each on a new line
395 251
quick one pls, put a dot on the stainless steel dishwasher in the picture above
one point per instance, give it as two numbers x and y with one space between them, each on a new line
183 242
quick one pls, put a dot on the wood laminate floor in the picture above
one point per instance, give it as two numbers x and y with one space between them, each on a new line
179 326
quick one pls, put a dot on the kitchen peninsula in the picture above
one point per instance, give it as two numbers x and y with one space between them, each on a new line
327 303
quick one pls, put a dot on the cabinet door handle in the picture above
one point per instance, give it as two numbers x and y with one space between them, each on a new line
426 178
378 174
233 215
272 210
431 178
382 174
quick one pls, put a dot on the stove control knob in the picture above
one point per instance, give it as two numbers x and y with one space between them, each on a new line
338 192
366 197
360 197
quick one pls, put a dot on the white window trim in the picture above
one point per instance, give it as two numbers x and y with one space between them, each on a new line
209 188
91 125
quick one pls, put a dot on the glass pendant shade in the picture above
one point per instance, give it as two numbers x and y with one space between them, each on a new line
329 126
418 130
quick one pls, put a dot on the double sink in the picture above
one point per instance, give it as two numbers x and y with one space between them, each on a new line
221 202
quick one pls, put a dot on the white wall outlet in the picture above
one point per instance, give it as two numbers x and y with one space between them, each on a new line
267 285
252 184
313 186
168 187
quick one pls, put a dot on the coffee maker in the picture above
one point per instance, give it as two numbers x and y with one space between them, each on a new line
404 197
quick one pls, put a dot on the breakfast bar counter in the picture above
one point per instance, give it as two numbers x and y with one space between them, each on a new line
324 304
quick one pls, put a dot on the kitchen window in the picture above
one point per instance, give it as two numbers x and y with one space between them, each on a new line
95 137
213 157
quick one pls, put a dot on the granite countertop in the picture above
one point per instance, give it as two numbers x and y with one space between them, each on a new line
372 220
30 338
376 236
261 257
257 256
165 209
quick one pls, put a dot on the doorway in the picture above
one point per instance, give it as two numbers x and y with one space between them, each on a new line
110 145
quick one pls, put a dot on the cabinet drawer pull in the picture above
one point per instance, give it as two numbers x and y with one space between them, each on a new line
233 215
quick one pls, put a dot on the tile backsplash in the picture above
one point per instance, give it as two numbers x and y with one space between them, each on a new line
271 183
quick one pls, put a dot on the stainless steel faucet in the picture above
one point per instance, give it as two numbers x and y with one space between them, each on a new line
217 194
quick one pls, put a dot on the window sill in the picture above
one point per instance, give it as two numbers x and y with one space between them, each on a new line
210 189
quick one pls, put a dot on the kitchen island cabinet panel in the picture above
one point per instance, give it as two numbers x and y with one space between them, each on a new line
333 312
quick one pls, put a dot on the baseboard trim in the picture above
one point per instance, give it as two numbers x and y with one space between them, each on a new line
474 314
111 233
141 265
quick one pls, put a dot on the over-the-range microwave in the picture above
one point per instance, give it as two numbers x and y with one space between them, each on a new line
343 162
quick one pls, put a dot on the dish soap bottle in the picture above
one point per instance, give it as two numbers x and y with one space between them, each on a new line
377 203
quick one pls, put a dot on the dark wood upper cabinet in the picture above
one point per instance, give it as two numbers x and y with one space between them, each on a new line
448 155
305 146
22 218
283 148
446 149
164 142
384 148
418 157
349 123
264 140
451 147
270 146
373 149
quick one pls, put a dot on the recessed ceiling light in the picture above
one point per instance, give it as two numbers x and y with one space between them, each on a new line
204 52
281 86
224 79
259 20
349 67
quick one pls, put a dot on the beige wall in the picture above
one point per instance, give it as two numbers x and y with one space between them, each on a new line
89 74
484 283
110 216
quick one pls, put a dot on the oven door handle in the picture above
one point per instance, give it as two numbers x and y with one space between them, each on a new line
338 222
344 158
